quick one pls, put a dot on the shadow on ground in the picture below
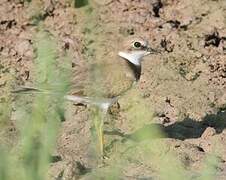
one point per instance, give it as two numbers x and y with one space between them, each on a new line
186 129
190 128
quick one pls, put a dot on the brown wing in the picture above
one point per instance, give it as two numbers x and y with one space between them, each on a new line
102 80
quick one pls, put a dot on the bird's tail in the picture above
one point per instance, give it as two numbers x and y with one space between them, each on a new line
102 103
27 89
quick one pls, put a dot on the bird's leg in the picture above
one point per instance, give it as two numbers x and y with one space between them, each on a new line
99 110
101 136
98 117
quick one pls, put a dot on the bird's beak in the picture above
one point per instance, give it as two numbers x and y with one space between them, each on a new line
152 51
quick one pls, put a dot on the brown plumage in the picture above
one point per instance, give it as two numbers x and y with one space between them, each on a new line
111 75
101 81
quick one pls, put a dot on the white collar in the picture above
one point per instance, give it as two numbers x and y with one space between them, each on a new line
135 57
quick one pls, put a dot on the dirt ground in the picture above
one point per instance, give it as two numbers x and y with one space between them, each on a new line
182 90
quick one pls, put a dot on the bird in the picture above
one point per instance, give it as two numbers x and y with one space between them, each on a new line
115 73
98 83
102 83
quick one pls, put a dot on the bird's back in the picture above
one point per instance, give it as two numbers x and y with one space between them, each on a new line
107 78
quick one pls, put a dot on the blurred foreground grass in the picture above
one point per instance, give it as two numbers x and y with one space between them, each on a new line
38 129
30 160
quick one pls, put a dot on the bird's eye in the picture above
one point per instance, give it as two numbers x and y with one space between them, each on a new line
137 44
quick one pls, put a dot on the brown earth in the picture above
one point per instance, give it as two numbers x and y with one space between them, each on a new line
182 90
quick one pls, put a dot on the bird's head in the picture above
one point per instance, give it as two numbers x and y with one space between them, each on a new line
135 49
